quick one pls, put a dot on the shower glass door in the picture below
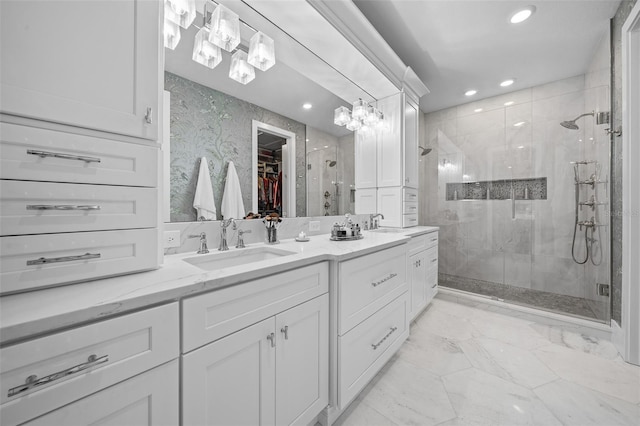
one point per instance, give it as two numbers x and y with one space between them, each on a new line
501 184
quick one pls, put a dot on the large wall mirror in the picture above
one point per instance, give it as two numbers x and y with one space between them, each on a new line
213 116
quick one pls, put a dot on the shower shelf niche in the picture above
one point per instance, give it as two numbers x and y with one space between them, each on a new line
533 188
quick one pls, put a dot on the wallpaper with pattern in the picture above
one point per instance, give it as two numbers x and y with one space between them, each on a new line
211 124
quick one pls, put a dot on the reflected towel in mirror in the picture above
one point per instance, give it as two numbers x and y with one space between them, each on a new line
203 200
232 205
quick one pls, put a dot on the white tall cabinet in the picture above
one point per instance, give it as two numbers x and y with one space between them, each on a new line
386 172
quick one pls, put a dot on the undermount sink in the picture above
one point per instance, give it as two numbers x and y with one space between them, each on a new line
226 259
388 230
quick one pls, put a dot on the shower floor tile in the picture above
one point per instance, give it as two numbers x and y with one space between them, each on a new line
523 296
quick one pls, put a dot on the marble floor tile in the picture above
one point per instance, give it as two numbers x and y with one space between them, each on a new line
435 354
616 379
581 342
483 398
508 362
474 364
577 405
409 395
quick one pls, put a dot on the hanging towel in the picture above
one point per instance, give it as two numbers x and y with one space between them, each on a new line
203 200
232 205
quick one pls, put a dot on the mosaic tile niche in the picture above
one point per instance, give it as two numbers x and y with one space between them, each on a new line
207 123
524 189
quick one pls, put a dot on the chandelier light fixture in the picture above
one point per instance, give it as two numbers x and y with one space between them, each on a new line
363 116
220 31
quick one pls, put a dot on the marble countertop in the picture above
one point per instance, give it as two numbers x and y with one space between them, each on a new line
38 312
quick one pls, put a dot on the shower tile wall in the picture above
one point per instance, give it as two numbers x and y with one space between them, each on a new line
479 238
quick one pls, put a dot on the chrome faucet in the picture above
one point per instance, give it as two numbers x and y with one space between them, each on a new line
374 224
203 243
224 224
241 233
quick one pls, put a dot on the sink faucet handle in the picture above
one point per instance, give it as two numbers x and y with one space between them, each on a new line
241 233
203 242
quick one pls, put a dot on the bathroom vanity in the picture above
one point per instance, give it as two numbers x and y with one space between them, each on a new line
281 330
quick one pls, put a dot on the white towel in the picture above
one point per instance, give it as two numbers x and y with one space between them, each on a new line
203 200
232 205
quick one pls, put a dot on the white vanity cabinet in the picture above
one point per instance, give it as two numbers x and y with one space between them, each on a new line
372 317
90 64
386 170
122 370
260 351
422 271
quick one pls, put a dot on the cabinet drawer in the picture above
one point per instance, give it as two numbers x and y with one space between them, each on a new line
148 399
31 261
409 207
368 283
409 220
43 207
410 194
216 314
432 239
122 347
30 153
417 244
366 348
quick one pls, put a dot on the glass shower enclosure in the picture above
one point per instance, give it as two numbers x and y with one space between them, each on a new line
520 189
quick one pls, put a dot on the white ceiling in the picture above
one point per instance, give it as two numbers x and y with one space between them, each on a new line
456 45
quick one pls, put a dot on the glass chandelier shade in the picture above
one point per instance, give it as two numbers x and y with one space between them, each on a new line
240 70
180 12
171 34
205 52
341 116
225 28
261 51
359 109
354 124
371 118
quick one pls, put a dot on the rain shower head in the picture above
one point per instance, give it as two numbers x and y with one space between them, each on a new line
330 163
425 151
572 124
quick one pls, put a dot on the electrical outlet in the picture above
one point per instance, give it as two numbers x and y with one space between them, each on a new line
314 225
171 239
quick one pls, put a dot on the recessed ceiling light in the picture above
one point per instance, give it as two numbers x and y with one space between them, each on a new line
522 15
519 123
470 92
306 140
307 106
507 82
509 103
326 146
477 110
521 147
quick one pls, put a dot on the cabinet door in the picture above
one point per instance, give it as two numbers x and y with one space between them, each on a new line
92 63
390 205
390 142
148 399
366 201
418 277
365 156
232 381
411 145
302 362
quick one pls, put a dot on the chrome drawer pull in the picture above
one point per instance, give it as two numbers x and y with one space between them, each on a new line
435 285
376 345
376 284
44 260
60 207
43 154
434 260
33 381
434 239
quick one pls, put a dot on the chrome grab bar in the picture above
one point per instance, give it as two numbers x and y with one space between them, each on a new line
33 381
376 345
392 275
60 207
43 154
45 260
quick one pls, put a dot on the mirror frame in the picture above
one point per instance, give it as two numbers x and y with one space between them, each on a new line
289 170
